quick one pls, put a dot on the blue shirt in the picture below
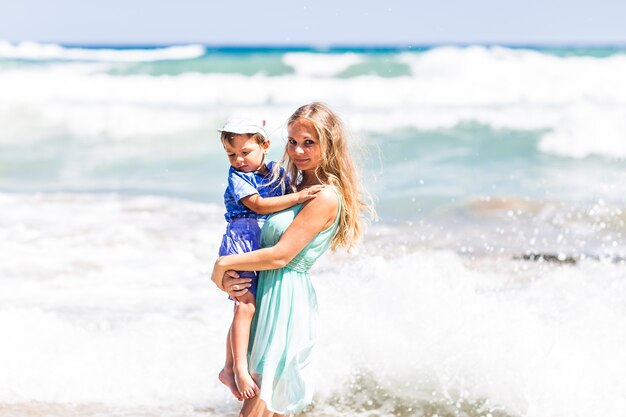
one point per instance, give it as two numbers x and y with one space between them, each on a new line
244 184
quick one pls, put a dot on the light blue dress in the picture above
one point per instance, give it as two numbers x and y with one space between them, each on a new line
284 329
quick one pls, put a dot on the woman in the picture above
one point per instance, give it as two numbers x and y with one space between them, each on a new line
284 328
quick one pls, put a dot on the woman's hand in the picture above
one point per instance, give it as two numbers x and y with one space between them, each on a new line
235 286
228 280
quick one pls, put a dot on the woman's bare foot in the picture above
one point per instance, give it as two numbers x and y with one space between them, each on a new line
227 377
246 385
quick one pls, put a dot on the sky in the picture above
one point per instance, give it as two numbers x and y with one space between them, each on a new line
318 22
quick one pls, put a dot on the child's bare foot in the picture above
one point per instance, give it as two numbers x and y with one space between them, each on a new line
245 383
227 377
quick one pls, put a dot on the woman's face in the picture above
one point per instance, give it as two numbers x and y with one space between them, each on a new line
303 145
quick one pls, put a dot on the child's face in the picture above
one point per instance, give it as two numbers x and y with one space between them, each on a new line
245 153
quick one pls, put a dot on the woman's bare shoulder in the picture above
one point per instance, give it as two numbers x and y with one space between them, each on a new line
327 197
326 202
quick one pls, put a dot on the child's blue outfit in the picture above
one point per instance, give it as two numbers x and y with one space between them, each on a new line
243 233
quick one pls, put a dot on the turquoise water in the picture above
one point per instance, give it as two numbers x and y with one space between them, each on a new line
269 63
442 130
436 167
382 62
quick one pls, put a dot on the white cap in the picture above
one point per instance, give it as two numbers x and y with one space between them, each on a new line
243 125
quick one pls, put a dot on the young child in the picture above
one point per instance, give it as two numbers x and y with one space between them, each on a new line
252 193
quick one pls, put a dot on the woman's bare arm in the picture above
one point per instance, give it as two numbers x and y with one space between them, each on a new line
316 216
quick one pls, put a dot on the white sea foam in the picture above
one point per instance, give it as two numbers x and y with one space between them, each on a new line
313 65
107 300
586 129
44 51
85 324
430 328
579 102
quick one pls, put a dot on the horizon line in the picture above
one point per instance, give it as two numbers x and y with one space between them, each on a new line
332 46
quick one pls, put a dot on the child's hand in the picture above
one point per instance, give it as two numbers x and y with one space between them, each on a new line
309 193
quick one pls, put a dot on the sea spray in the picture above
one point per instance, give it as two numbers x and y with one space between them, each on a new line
120 311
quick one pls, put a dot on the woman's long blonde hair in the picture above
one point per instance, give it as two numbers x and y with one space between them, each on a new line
336 169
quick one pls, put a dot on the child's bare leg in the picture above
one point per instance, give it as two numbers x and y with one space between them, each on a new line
240 335
227 376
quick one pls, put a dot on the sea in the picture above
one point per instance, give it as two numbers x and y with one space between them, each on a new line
491 284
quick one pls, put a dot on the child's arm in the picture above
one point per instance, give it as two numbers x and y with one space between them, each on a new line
314 217
269 205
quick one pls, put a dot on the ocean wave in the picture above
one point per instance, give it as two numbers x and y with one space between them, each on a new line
315 65
468 335
578 102
587 129
45 51
121 313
